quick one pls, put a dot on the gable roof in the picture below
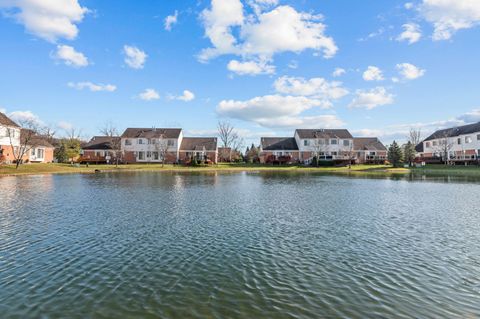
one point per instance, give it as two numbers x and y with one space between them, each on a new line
199 144
279 144
316 133
100 143
455 131
6 121
152 133
368 144
32 139
419 147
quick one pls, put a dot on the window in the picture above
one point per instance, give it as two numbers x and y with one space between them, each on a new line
435 143
346 143
334 142
149 154
305 143
333 153
459 141
478 137
427 144
141 155
140 141
468 139
33 152
40 153
155 155
149 141
372 153
128 142
170 143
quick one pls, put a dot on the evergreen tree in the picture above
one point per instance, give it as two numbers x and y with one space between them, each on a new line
409 153
395 154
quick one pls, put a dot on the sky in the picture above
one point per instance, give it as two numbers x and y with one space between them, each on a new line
377 68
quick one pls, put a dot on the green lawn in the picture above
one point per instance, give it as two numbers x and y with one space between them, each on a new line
28 169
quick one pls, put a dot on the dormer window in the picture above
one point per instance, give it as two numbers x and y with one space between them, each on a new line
305 143
140 141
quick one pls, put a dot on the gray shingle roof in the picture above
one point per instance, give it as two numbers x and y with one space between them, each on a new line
368 144
152 132
199 144
279 144
419 148
100 143
455 131
331 133
6 121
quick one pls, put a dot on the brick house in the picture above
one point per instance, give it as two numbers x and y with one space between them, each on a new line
147 145
101 149
202 148
369 150
280 150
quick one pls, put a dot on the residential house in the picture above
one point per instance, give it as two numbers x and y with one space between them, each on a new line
327 144
456 145
39 150
101 149
151 145
279 150
9 138
201 148
369 150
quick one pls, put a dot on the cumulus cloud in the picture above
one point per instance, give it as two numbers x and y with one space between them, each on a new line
258 35
373 73
338 72
21 117
411 33
134 57
409 71
317 88
149 95
271 110
250 67
92 86
470 117
49 20
370 99
66 126
450 16
69 56
187 96
171 20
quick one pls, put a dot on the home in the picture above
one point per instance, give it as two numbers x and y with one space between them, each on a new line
151 145
102 149
326 144
459 145
38 149
369 150
9 138
279 150
203 149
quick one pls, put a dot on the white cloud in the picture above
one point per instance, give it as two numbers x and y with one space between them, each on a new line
134 57
409 5
411 33
92 86
171 20
250 67
470 117
149 95
3 110
270 110
186 97
409 71
373 73
70 57
317 88
293 64
338 72
449 16
47 19
259 35
25 117
372 98
64 125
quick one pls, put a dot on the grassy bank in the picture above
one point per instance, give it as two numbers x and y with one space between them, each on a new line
33 169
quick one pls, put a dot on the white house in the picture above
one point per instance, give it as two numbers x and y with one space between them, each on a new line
461 143
328 144
9 135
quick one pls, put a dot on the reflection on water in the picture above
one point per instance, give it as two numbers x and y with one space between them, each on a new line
245 245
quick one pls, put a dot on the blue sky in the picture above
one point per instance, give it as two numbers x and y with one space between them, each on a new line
265 65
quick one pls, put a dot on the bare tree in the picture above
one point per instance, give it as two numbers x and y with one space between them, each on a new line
320 147
415 136
110 131
350 153
161 148
22 139
445 144
229 138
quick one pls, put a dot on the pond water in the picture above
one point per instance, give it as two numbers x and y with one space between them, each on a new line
243 245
